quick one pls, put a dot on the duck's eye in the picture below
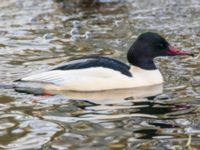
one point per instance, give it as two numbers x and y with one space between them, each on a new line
162 46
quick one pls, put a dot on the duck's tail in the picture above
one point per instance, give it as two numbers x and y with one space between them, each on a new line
26 87
7 85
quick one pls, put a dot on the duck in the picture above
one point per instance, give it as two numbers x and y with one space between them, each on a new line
99 73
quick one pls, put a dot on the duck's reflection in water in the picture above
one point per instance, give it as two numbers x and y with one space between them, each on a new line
115 96
114 104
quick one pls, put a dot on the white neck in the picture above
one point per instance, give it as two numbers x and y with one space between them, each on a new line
146 77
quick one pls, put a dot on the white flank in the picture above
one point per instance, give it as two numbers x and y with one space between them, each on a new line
98 78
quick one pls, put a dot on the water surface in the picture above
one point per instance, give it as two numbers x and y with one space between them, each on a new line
36 34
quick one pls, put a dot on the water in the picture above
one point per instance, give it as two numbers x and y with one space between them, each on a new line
36 34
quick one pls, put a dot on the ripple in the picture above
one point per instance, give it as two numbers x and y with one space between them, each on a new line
39 131
58 31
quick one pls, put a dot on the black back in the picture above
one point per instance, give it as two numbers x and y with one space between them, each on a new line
95 61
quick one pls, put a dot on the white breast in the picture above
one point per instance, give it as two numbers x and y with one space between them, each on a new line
98 79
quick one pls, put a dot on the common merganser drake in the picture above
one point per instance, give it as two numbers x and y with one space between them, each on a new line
102 73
